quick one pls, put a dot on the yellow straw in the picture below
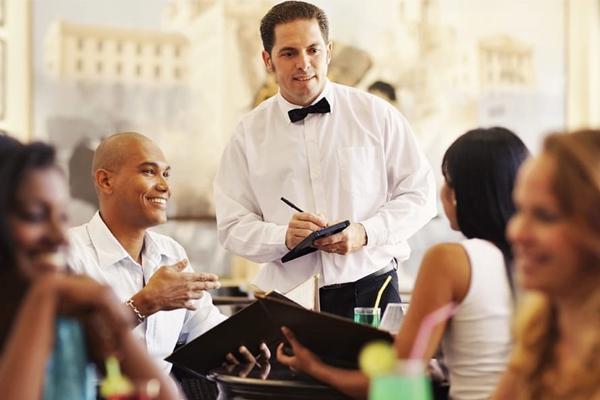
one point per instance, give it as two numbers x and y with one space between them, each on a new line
389 278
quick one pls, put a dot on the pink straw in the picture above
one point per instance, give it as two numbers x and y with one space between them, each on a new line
426 329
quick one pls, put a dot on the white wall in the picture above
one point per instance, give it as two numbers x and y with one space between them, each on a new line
16 82
583 64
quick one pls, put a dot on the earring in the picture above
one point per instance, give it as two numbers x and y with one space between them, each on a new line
454 202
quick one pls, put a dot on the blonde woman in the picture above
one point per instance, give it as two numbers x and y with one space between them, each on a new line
555 237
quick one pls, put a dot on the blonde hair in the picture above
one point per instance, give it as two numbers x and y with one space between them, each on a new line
577 185
536 333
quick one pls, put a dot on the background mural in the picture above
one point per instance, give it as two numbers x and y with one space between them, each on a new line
184 71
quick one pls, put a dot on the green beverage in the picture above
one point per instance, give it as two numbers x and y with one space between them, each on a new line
400 386
367 315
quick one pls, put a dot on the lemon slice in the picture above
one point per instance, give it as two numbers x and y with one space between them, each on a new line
377 357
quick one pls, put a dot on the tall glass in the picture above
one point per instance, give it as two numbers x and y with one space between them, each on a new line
367 315
408 381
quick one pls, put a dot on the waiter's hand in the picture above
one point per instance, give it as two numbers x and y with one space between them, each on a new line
301 225
345 242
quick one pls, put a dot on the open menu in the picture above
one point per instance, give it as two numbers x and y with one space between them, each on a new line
334 339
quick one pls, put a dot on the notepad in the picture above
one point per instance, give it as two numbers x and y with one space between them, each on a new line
305 246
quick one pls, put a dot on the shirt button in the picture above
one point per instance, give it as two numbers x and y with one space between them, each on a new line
311 139
316 177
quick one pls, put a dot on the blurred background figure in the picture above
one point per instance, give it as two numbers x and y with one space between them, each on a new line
384 90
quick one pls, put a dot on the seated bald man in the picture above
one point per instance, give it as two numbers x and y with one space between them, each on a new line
149 272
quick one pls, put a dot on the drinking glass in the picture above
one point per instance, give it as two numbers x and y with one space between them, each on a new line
367 315
392 318
407 381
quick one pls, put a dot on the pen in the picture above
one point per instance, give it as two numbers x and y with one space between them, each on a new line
289 203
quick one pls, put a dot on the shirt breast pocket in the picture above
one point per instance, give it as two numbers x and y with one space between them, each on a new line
361 170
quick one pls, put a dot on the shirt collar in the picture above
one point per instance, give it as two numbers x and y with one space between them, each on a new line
286 106
111 252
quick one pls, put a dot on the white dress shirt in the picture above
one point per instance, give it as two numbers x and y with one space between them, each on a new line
359 162
95 252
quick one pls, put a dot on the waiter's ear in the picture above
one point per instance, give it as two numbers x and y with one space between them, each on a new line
267 60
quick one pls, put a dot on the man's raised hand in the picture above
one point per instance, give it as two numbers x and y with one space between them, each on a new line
171 288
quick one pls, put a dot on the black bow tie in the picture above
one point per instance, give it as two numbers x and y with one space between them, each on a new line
298 114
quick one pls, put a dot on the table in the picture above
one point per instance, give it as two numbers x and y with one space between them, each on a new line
232 300
279 383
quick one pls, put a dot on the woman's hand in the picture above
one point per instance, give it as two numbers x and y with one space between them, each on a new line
81 295
105 319
302 360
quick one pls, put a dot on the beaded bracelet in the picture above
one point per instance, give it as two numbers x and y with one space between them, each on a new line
140 317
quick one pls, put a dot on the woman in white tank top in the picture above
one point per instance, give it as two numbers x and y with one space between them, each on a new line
479 170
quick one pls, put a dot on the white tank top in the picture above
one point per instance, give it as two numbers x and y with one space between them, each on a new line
477 341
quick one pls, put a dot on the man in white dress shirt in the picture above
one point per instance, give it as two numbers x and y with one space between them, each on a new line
149 272
351 155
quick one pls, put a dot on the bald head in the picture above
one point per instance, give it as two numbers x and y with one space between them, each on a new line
112 151
131 179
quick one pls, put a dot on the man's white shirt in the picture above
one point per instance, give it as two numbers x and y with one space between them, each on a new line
95 252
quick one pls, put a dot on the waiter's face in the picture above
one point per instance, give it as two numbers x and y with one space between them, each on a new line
299 60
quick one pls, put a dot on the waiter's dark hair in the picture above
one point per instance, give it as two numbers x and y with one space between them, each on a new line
290 11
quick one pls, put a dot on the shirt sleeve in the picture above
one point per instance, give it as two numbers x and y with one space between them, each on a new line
240 224
412 195
202 319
